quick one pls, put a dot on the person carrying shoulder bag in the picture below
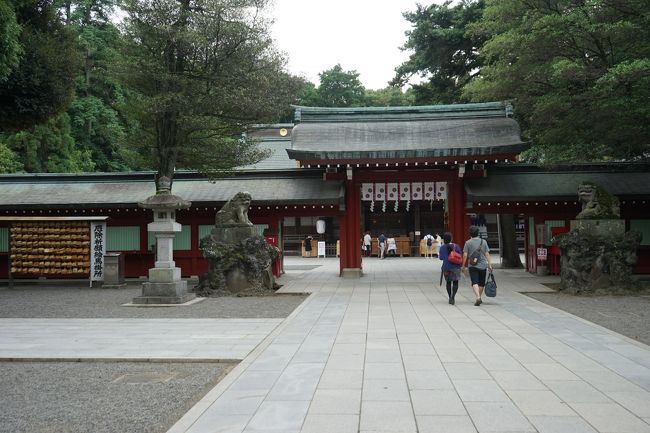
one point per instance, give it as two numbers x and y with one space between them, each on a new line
476 258
451 258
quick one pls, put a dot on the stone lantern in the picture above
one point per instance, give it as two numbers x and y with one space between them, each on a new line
165 285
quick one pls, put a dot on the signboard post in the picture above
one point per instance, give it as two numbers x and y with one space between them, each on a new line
97 250
542 254
321 249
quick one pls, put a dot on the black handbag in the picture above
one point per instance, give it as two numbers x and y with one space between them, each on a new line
490 286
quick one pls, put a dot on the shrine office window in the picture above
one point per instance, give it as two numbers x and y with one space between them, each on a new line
125 238
643 227
4 239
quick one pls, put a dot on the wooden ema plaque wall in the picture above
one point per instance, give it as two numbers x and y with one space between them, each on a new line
50 249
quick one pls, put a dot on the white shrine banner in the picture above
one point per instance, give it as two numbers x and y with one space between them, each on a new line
429 190
393 192
416 191
405 191
367 191
441 190
380 191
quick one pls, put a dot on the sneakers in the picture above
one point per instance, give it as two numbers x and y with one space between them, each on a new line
478 302
452 301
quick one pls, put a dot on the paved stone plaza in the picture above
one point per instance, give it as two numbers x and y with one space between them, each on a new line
386 353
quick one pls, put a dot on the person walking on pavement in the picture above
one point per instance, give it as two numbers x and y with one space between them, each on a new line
382 245
437 244
428 245
451 271
367 244
476 258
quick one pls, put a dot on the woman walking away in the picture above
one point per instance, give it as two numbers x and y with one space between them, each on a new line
476 254
450 270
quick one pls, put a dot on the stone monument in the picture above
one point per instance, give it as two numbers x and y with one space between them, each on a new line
597 253
165 285
239 260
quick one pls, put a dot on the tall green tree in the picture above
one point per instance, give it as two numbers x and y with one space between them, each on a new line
9 161
96 123
48 148
339 88
579 72
389 97
39 84
10 49
201 72
445 56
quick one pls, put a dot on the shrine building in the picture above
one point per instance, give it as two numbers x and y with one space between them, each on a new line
401 171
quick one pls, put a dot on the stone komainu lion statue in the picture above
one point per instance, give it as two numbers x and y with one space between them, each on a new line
235 212
597 203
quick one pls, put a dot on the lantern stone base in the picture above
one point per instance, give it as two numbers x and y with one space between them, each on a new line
164 293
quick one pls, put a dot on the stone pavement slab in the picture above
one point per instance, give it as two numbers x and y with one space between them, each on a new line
387 353
134 339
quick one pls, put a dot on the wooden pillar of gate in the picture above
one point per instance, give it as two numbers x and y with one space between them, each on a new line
458 219
350 224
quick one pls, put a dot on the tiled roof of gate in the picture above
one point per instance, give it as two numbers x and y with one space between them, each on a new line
404 132
96 190
557 184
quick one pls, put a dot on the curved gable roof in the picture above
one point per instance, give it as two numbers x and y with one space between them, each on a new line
404 132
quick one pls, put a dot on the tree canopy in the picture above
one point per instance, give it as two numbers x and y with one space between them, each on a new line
37 64
340 88
579 73
200 72
444 54
10 48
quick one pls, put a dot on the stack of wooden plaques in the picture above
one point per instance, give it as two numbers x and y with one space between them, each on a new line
60 248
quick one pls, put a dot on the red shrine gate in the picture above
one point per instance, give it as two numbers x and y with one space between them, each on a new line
445 184
400 147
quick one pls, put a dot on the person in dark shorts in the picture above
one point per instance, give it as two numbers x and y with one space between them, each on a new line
476 258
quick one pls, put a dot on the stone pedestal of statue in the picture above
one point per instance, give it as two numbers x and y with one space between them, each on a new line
239 259
597 254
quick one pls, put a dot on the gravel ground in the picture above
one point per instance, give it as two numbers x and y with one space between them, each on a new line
627 315
83 397
65 301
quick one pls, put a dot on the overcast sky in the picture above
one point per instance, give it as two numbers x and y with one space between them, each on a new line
361 35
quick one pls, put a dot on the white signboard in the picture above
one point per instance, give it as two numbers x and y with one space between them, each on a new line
541 253
97 250
321 248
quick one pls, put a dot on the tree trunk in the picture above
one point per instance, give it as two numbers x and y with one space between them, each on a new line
509 251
